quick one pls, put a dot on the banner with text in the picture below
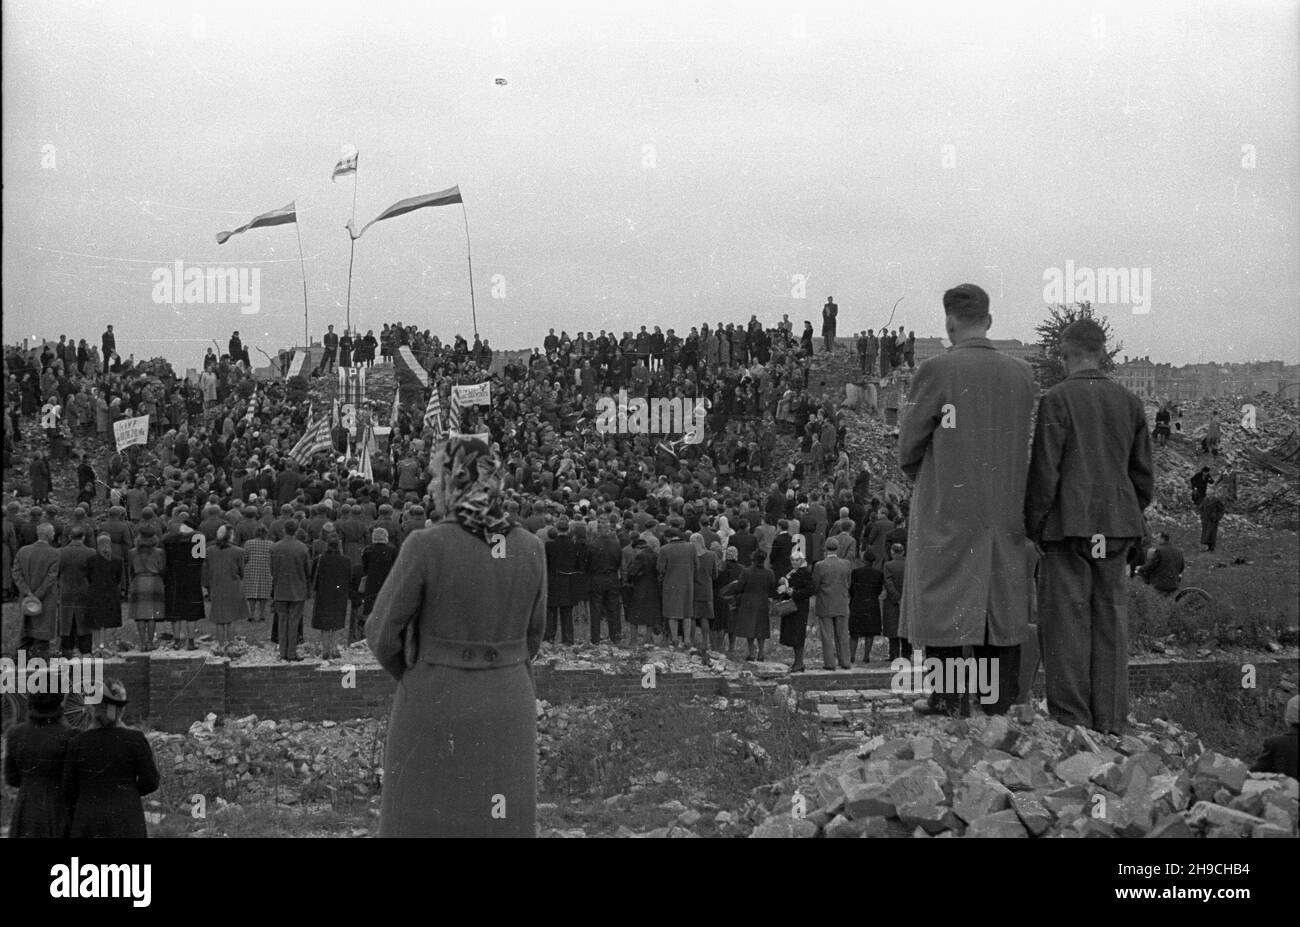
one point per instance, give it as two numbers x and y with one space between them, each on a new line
131 431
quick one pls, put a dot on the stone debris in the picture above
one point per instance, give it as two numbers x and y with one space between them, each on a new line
951 777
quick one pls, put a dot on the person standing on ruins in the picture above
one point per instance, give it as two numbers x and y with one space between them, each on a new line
963 440
1090 478
457 623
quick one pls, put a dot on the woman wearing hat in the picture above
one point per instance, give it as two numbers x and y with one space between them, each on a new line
330 582
796 586
35 754
754 588
457 624
108 769
105 575
146 598
184 577
223 582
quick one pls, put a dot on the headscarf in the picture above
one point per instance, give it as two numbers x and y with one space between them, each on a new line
698 540
467 486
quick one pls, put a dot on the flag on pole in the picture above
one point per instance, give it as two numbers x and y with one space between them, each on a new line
433 414
397 409
347 165
282 216
315 438
410 204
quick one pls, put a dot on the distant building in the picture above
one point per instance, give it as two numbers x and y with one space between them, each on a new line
930 347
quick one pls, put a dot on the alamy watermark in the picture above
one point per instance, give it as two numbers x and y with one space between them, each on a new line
657 416
209 285
39 676
1130 286
946 676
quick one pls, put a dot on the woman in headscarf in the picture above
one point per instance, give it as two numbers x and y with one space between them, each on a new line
104 592
35 754
223 578
457 624
376 563
108 769
644 606
753 619
796 586
146 600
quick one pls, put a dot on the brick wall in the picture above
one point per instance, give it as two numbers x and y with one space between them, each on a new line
172 693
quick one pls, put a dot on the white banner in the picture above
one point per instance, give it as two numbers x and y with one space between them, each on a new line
131 431
478 394
295 365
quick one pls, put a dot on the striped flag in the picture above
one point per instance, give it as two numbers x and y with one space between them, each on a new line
409 367
315 438
453 414
433 414
352 386
282 216
410 204
347 164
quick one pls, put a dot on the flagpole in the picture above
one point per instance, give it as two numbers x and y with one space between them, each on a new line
353 247
470 260
302 263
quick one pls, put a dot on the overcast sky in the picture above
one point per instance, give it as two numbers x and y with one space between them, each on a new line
653 163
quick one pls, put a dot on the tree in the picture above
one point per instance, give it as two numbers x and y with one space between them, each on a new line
1049 367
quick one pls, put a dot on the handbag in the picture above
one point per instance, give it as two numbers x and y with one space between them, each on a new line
32 606
783 607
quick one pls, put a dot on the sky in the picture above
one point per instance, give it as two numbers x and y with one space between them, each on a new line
629 163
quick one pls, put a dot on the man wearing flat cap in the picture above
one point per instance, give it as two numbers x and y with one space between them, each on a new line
964 440
1090 477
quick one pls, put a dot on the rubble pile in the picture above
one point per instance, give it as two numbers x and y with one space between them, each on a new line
991 777
1246 465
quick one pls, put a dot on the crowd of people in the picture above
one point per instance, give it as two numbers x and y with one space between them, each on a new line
276 533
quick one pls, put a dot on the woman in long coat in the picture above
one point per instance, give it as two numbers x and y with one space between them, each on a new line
458 627
895 572
35 754
257 572
331 581
105 575
120 534
755 588
723 620
223 577
796 586
376 563
865 619
706 571
643 609
184 577
146 599
108 769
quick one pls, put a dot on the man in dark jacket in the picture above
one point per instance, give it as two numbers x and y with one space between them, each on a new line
1090 478
561 565
1164 571
1201 480
1279 754
108 346
1211 508
604 557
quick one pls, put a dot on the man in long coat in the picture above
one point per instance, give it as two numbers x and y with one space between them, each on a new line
74 585
965 441
290 566
1211 509
561 576
676 562
1089 480
36 572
